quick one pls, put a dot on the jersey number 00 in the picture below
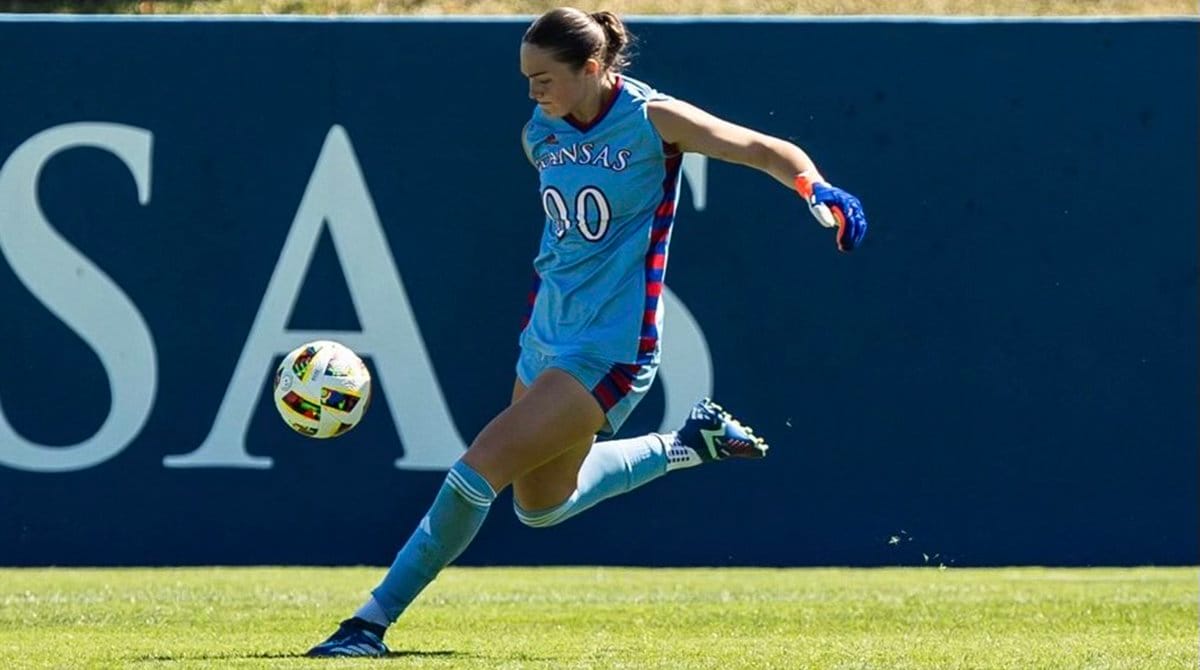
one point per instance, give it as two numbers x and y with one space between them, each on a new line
592 228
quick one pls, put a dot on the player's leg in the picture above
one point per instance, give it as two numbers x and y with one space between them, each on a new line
551 483
584 476
553 412
588 473
601 470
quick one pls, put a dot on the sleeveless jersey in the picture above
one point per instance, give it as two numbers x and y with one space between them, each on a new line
609 191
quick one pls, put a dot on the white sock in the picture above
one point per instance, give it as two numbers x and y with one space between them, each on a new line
679 456
372 612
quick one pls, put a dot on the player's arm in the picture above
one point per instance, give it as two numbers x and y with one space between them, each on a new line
693 129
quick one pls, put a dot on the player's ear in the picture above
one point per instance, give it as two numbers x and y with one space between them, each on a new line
591 67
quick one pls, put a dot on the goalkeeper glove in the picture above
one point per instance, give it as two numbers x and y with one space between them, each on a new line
834 207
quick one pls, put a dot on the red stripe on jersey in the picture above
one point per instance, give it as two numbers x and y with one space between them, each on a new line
621 378
615 385
656 255
605 395
530 299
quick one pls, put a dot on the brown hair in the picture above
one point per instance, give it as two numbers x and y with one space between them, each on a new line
574 36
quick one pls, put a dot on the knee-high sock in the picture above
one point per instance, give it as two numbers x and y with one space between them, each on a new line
611 468
448 527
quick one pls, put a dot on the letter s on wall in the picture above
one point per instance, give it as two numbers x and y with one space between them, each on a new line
85 299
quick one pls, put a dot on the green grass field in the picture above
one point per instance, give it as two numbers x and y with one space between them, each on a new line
554 618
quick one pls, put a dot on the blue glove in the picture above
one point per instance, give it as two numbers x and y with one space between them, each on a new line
834 207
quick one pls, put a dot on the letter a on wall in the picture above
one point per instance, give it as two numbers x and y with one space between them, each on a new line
337 196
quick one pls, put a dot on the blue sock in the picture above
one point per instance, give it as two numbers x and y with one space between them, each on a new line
611 468
448 527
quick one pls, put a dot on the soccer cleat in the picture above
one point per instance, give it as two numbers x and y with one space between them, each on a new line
712 434
354 637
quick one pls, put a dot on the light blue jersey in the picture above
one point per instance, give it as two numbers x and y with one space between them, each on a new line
609 191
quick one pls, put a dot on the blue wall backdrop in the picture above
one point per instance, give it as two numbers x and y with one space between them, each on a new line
1006 373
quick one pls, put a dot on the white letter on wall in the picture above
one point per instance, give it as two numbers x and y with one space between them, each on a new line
337 195
695 174
78 293
686 370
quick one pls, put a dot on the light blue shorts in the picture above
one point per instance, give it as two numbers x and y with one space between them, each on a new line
618 387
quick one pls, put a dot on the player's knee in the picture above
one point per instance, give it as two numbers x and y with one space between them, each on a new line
491 465
543 518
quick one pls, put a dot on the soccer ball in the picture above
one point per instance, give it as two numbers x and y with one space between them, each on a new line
322 389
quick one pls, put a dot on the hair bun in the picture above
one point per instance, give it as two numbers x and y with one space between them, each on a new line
572 35
617 39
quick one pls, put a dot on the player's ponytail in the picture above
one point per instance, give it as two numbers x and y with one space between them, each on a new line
617 40
575 36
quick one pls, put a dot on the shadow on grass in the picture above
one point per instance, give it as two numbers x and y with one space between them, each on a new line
235 657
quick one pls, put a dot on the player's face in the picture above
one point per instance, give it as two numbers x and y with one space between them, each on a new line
555 86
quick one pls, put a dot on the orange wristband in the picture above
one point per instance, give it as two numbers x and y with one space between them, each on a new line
803 185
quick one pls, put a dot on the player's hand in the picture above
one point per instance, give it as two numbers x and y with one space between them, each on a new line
834 208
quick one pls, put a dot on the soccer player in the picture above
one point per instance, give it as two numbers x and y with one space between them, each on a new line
607 149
